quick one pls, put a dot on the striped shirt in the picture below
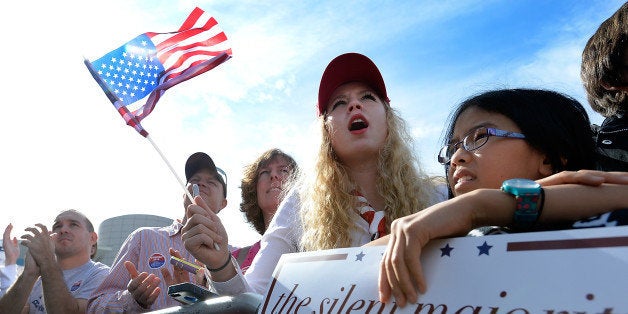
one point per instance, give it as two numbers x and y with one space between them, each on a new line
148 249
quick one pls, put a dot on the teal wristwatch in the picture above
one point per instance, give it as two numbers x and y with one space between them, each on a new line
527 194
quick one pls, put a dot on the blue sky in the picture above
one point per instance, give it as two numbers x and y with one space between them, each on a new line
64 145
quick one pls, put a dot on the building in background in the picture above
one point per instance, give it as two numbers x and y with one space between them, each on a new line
113 231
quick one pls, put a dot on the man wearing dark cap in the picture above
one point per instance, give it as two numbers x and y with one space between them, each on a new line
200 169
141 273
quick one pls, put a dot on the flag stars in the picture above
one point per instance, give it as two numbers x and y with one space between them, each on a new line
360 256
484 248
133 70
446 250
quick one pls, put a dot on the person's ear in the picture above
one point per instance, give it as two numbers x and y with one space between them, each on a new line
224 203
545 168
93 238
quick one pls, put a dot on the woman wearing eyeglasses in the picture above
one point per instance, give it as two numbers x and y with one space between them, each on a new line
493 138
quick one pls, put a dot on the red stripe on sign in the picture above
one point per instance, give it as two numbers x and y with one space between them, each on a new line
567 244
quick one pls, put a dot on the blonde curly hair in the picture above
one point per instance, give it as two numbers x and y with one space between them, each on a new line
249 206
326 198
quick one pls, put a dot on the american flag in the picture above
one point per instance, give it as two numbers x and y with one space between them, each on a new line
152 62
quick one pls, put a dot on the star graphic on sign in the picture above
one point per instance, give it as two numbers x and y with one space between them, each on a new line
359 256
484 248
446 250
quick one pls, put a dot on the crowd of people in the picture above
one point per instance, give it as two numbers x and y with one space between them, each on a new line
503 148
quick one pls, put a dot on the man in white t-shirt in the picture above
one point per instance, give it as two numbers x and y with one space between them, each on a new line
58 273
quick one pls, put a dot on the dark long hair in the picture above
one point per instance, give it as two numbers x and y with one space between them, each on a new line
554 124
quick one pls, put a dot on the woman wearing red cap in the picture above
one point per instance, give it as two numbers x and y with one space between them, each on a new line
365 176
365 166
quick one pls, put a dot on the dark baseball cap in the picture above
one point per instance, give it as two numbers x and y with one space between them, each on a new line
199 161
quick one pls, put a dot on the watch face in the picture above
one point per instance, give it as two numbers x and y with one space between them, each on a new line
522 183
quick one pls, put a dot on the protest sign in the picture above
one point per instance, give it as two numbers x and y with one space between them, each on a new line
571 271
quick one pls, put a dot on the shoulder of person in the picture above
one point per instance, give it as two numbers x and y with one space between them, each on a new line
441 191
97 271
146 231
100 266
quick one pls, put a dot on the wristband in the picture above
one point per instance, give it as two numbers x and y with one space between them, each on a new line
213 270
529 198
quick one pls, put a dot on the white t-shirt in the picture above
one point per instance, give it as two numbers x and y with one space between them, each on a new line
8 274
81 282
282 237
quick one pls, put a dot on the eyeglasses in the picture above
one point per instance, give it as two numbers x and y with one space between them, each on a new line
474 140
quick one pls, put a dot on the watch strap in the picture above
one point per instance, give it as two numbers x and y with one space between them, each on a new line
528 209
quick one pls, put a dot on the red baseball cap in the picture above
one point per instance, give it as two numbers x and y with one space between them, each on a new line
345 68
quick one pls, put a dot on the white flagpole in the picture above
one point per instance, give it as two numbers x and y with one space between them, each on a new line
171 169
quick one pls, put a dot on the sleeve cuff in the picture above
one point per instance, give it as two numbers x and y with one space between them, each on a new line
8 274
233 286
